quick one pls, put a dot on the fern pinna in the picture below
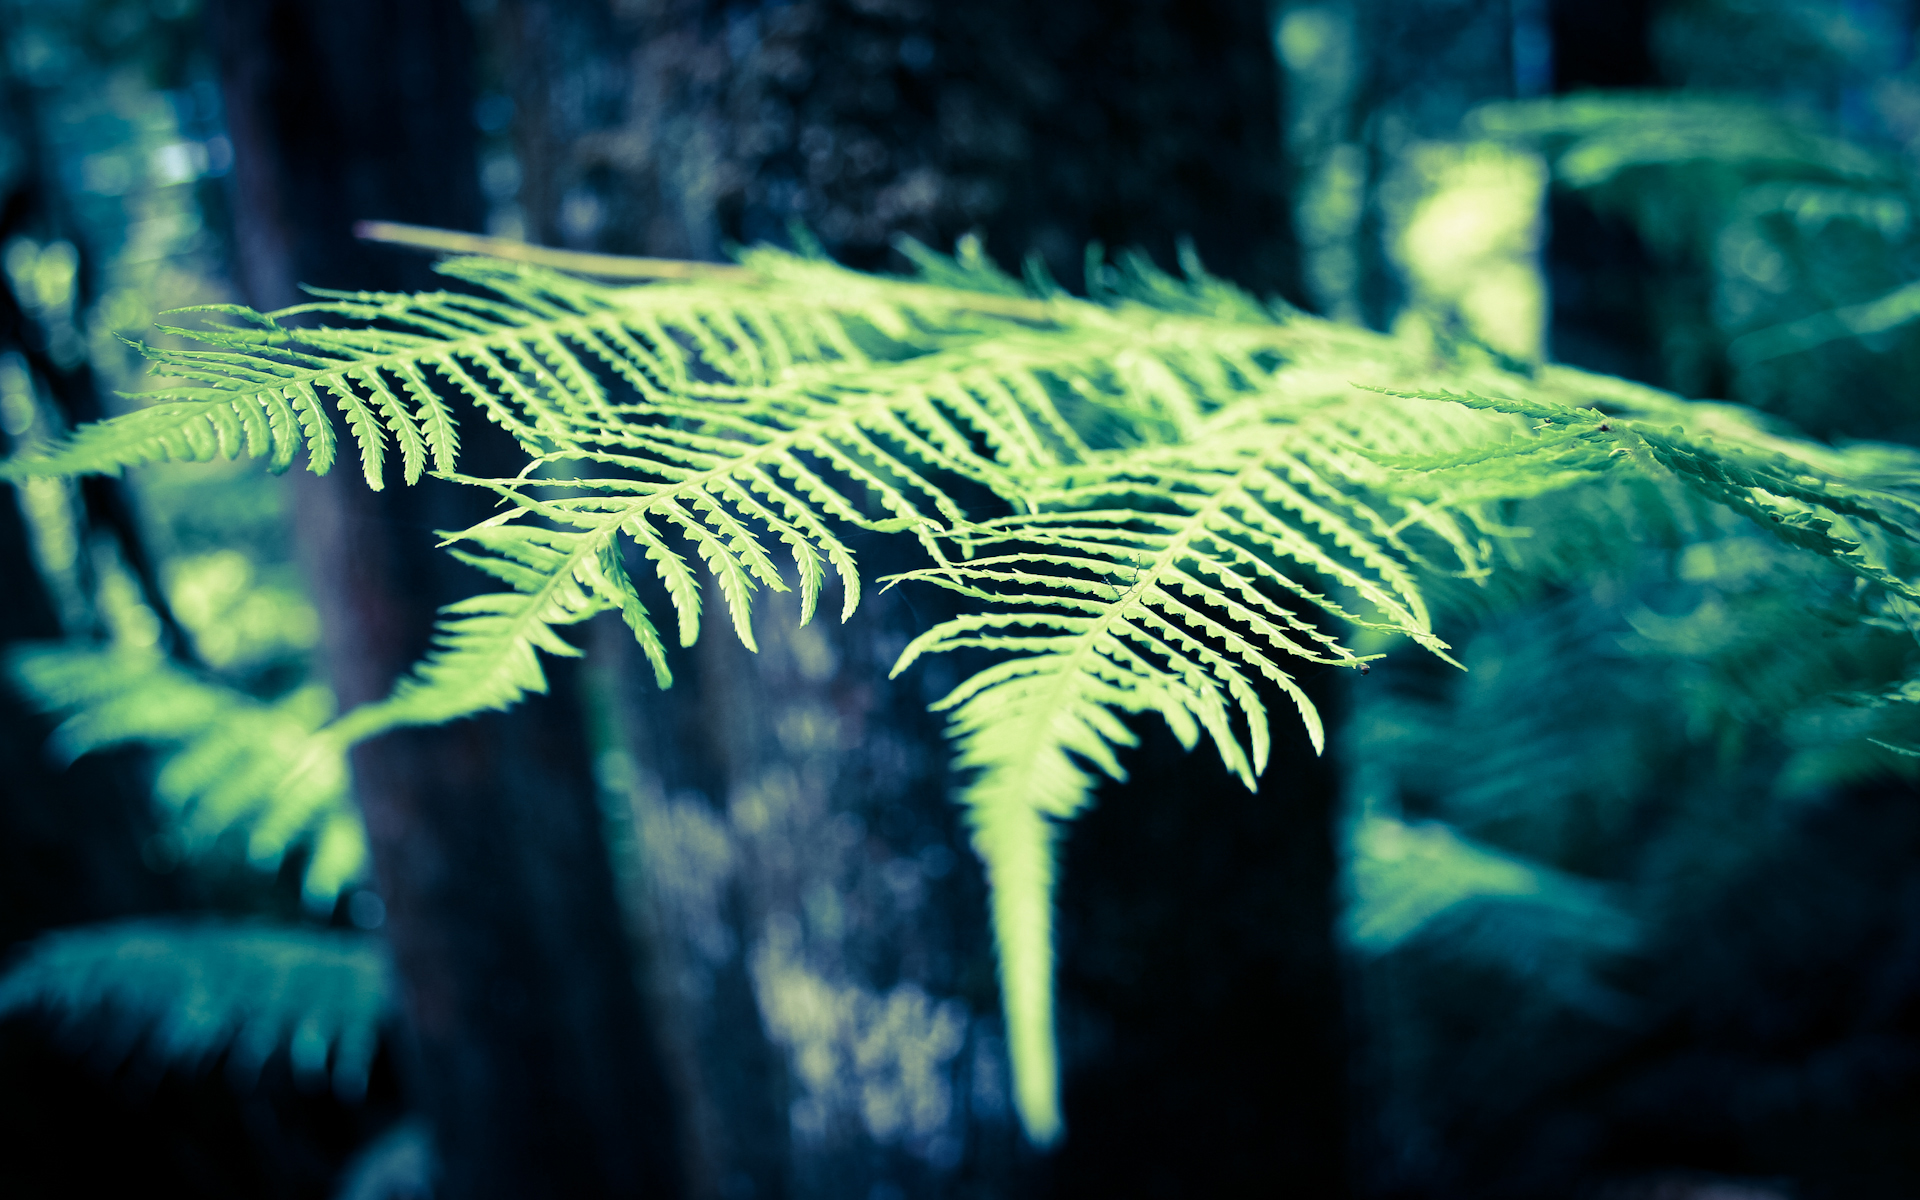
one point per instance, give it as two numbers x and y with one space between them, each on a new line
1163 499
190 991
226 758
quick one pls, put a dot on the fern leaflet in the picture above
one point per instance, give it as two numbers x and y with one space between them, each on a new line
229 760
190 990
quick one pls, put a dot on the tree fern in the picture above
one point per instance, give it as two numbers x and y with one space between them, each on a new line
184 991
1152 501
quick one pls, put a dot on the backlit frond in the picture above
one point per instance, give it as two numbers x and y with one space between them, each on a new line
758 463
1160 501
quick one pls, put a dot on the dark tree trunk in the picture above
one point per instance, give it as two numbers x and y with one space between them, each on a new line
823 925
679 126
1611 301
1601 45
828 965
530 1043
1201 988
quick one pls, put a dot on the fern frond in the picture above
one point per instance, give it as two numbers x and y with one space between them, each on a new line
1404 875
484 652
229 760
263 385
1175 581
1595 137
190 989
802 397
775 450
1151 501
1789 496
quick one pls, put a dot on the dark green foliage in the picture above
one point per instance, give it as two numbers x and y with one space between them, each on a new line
186 992
232 761
1783 253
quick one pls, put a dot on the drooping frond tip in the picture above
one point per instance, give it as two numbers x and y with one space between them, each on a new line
1175 582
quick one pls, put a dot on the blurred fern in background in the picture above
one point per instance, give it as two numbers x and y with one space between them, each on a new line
183 993
231 760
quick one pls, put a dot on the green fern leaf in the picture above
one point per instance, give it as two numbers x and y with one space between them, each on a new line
1171 585
484 651
200 988
1790 496
787 437
1172 582
228 760
1198 493
1596 137
1404 875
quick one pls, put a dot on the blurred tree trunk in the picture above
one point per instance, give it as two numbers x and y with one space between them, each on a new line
826 970
1611 301
529 1040
680 126
1422 65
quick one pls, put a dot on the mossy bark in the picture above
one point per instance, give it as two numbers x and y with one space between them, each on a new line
795 809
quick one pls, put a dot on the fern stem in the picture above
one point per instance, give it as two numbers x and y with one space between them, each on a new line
606 266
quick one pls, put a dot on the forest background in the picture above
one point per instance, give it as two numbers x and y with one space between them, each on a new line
1630 908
